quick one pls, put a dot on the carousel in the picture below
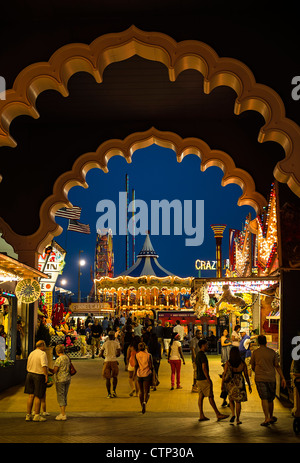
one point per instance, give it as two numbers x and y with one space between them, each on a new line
145 288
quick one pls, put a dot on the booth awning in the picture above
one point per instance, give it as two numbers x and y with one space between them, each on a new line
8 265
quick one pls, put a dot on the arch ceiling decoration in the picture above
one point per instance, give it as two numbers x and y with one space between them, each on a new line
177 57
99 159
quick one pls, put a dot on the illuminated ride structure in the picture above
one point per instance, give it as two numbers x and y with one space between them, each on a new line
145 288
104 257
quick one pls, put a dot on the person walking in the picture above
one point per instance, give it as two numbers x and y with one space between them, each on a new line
137 328
175 356
204 382
96 332
178 328
110 351
127 339
233 381
264 363
245 350
36 380
61 371
167 334
154 348
143 372
159 331
225 347
194 347
131 353
225 351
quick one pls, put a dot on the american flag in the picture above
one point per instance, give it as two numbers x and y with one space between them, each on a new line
74 225
69 212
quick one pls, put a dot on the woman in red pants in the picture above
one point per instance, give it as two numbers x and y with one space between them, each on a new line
174 358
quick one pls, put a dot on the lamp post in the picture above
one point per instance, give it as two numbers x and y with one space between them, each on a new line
218 232
81 263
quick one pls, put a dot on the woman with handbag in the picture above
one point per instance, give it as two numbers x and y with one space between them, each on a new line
131 353
233 380
143 371
62 376
154 348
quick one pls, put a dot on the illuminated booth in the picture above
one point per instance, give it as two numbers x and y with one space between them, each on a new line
19 291
249 293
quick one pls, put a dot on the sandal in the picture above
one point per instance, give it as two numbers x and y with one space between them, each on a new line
222 417
232 419
265 423
273 420
203 419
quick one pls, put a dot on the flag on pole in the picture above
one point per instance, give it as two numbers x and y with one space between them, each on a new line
74 225
69 212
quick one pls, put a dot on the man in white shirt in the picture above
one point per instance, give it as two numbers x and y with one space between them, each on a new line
36 380
110 351
179 329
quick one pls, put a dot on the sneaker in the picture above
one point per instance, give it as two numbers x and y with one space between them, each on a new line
179 387
28 417
172 388
114 394
109 396
45 414
61 417
38 418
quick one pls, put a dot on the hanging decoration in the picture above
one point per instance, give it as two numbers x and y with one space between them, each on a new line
28 290
199 299
267 237
228 297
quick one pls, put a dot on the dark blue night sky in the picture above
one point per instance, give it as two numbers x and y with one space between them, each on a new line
154 174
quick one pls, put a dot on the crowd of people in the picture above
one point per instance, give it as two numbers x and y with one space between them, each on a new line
143 347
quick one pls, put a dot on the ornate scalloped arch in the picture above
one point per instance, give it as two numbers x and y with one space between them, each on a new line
177 57
99 159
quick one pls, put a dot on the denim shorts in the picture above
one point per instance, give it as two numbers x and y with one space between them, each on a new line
266 390
62 389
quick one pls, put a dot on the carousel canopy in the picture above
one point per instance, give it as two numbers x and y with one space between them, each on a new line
147 263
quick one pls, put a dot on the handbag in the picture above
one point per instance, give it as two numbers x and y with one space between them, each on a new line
155 381
72 369
228 375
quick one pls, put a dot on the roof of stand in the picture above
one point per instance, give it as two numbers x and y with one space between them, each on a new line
146 263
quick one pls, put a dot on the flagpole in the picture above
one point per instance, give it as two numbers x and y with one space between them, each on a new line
66 238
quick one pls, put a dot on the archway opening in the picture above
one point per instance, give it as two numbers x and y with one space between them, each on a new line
154 175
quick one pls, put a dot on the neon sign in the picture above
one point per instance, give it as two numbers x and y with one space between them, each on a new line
209 264
205 264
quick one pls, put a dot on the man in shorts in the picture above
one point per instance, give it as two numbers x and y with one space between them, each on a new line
264 362
110 351
204 382
194 347
36 380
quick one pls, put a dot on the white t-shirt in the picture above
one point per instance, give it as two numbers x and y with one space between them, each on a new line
234 334
37 359
174 354
180 330
110 348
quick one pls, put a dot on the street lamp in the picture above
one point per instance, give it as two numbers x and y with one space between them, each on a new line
81 263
